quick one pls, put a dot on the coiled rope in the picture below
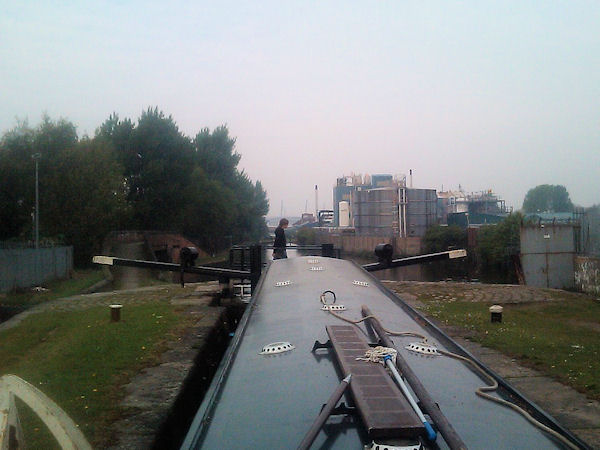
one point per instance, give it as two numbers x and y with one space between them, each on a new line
377 354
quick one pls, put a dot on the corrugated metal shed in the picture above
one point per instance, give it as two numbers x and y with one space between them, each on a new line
547 255
27 267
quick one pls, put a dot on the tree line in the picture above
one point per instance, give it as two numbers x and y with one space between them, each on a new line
146 175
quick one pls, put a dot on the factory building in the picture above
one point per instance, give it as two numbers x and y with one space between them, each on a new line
383 205
460 208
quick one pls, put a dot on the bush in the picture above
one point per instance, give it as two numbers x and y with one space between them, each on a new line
440 239
497 243
306 236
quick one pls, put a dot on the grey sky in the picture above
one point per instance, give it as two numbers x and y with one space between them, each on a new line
489 95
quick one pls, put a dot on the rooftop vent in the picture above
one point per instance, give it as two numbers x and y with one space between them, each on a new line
425 349
276 347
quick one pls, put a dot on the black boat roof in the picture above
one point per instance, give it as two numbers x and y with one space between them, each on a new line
270 400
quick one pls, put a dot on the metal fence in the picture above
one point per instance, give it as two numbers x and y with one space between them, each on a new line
27 267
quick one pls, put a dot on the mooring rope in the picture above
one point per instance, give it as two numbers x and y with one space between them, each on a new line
356 322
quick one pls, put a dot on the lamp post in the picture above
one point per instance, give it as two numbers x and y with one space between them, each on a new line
36 157
547 239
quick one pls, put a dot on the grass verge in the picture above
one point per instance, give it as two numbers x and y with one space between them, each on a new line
558 338
81 280
80 360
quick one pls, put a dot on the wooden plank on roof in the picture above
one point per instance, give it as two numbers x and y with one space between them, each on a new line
384 410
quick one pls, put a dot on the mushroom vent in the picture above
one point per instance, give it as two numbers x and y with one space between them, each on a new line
425 349
276 347
396 445
333 307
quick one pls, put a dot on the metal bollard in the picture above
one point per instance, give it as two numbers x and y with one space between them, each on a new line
115 313
496 313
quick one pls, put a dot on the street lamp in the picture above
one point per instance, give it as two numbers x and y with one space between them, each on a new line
36 157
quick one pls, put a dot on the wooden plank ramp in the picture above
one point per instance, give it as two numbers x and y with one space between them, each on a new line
384 410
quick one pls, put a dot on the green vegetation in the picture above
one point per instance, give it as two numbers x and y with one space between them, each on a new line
147 175
496 244
558 338
81 280
547 198
306 236
440 239
80 360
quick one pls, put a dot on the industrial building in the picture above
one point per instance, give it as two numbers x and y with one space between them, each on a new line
383 205
477 208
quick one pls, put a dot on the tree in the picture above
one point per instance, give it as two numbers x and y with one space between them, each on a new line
158 162
148 176
17 172
497 243
215 153
17 181
439 239
547 198
84 197
306 236
210 216
117 133
82 193
251 206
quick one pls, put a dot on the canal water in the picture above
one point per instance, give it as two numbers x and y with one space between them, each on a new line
6 312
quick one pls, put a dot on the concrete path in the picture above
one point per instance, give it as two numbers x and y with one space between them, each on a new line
574 410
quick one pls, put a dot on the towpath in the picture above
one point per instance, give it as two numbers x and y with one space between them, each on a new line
573 409
150 397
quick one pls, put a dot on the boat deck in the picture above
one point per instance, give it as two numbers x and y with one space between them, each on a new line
270 400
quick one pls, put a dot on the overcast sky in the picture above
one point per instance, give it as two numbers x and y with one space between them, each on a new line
489 95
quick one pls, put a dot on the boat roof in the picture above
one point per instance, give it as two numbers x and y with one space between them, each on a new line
270 400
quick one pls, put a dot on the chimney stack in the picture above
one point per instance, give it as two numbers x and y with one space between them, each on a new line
316 202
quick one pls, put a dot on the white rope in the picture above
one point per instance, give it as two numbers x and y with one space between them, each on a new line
377 354
356 322
482 392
